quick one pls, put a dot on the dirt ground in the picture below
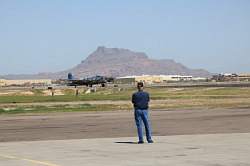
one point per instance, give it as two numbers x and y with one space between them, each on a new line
80 125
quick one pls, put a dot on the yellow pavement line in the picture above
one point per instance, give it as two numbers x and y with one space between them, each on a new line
29 160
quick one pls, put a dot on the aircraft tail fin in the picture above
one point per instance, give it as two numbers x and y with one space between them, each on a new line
70 76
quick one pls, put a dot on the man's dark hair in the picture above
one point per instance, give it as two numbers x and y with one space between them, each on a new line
140 84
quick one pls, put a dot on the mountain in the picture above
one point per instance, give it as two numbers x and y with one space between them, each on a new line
122 62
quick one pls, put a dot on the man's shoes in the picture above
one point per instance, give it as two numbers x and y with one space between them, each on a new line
141 142
150 141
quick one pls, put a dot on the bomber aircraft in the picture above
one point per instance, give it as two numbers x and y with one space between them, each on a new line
89 81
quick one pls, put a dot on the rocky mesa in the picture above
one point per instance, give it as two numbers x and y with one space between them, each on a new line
123 62
118 62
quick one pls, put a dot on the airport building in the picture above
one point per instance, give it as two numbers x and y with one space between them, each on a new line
152 79
231 77
244 77
4 82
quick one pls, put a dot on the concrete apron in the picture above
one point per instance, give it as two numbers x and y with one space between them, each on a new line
182 150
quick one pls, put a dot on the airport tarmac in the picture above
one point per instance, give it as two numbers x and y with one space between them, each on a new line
85 125
181 150
217 137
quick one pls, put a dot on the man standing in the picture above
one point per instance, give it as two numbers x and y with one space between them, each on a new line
140 99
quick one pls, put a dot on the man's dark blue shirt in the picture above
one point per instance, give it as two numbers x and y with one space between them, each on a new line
140 100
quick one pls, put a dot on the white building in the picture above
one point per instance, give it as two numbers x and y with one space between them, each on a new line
155 78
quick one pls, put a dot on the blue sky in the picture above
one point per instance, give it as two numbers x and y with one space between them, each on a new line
53 35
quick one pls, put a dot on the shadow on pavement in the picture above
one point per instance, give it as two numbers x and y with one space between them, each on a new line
126 142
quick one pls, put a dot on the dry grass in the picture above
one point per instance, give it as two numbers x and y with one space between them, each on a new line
114 99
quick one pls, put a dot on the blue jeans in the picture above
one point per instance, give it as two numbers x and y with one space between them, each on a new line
142 116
